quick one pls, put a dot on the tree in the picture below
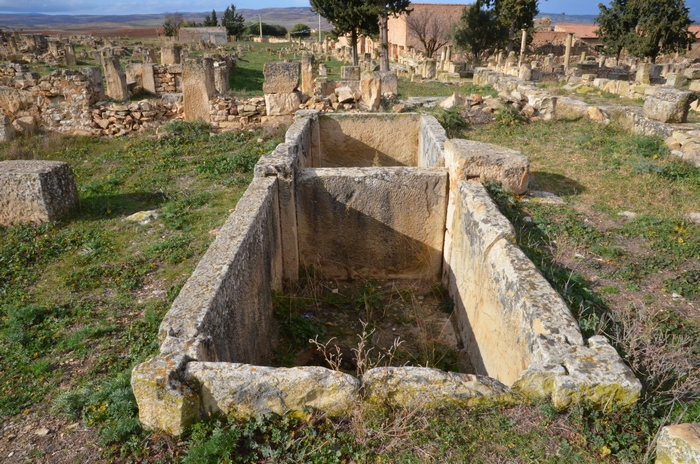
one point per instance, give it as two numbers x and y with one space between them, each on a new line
516 14
354 17
645 28
614 25
211 21
232 21
301 30
273 30
428 29
479 29
172 24
384 8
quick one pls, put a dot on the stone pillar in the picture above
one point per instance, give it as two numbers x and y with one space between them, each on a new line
583 57
69 53
567 54
115 78
280 88
150 56
350 73
197 88
148 77
448 56
170 54
499 61
7 132
643 73
222 71
548 65
523 43
601 61
430 69
307 73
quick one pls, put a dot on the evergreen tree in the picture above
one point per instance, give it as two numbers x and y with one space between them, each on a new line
382 9
614 25
301 30
479 29
516 14
232 21
352 17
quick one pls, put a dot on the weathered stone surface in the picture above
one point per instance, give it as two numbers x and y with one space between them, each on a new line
35 191
345 94
143 217
350 73
350 140
278 104
25 125
197 88
692 73
667 105
431 149
467 159
676 80
429 69
370 88
170 54
241 390
679 444
390 83
598 115
694 86
307 73
423 387
644 73
525 72
453 100
372 222
165 401
224 310
115 78
7 131
545 104
281 77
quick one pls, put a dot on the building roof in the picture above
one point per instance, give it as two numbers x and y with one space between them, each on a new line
582 31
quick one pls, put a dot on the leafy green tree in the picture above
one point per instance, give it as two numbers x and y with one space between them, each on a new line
662 27
353 17
172 24
614 25
211 21
516 14
382 9
301 30
232 21
479 29
273 30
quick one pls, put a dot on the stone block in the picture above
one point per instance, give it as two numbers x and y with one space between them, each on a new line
676 80
429 69
307 73
345 94
423 387
148 78
370 88
678 444
35 191
372 222
453 100
468 159
170 54
278 104
25 125
644 71
692 73
281 77
115 78
350 73
390 83
667 105
197 88
545 104
695 86
7 130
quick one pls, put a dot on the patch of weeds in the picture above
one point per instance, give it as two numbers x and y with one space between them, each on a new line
686 284
173 249
650 147
452 120
508 116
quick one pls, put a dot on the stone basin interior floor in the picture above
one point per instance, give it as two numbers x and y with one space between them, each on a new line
394 322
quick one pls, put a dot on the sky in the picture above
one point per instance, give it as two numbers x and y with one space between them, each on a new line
101 7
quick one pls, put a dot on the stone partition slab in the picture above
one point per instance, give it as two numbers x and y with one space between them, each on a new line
679 443
431 143
35 191
281 77
358 140
424 387
503 303
467 159
372 222
224 310
242 390
197 88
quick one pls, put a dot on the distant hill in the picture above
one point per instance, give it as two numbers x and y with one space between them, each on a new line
286 17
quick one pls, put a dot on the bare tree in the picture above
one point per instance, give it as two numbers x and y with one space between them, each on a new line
430 30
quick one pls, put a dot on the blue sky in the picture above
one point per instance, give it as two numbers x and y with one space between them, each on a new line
570 7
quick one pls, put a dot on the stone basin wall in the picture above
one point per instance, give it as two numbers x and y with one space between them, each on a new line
522 339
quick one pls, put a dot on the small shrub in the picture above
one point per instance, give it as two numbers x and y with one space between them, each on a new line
508 116
452 120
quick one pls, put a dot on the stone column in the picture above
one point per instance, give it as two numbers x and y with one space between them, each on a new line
115 78
148 77
221 76
170 54
523 43
307 73
197 88
567 55
430 69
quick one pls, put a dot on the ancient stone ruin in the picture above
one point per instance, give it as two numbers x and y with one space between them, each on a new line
372 196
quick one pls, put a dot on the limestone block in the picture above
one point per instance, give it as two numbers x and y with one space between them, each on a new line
545 104
644 73
370 88
431 145
453 100
598 115
679 444
35 191
429 69
170 54
468 159
307 73
14 100
7 130
242 390
372 222
676 80
667 105
115 78
277 104
221 77
345 94
390 83
695 86
600 82
525 72
24 125
424 387
148 78
692 73
281 77
165 401
350 73
197 88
